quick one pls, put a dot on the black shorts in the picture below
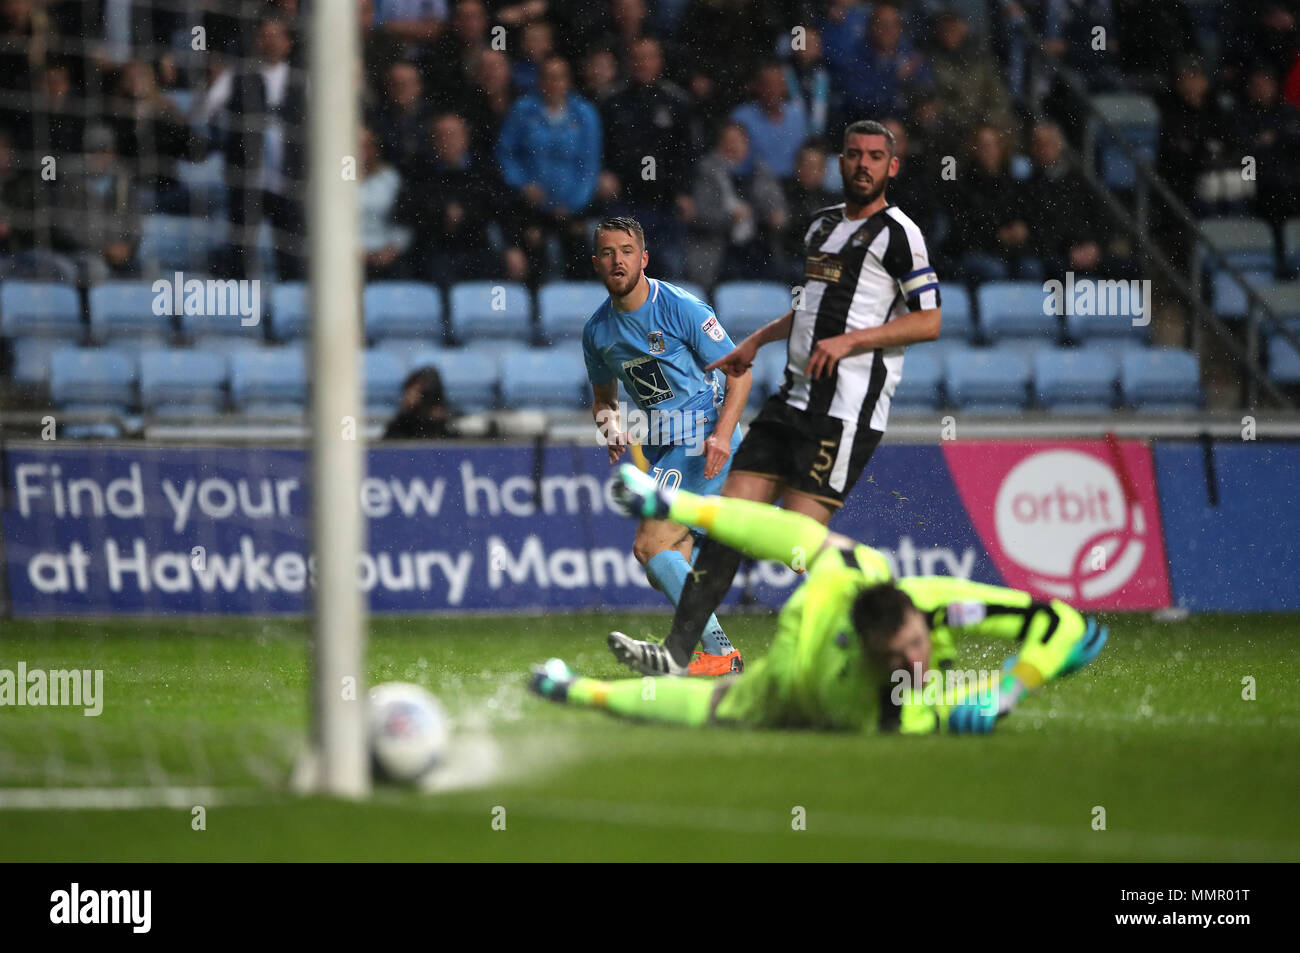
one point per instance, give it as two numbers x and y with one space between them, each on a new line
821 457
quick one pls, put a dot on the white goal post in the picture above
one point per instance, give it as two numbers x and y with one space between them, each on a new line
337 449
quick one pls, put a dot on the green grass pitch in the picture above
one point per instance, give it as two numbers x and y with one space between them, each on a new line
1156 732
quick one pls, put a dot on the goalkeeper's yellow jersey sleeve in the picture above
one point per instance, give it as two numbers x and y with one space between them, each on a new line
1046 631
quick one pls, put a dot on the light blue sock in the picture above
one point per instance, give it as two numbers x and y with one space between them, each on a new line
668 571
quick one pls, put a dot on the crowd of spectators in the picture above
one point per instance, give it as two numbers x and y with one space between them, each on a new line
496 131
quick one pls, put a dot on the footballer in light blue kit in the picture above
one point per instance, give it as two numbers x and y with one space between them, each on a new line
657 339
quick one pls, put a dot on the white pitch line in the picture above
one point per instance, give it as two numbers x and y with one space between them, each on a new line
115 799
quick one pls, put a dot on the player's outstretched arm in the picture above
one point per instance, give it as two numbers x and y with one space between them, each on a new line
742 356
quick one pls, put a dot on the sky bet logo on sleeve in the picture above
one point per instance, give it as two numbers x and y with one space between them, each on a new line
648 380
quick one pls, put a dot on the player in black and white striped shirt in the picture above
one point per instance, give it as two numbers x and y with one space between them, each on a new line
868 292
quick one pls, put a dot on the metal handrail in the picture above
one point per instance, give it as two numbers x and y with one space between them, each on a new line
1189 294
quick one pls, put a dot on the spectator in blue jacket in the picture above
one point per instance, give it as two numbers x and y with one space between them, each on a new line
550 154
777 126
879 79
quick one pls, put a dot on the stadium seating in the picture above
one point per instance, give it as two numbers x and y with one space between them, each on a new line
469 376
92 380
123 311
1245 242
921 389
1014 309
402 314
269 383
958 318
745 306
206 183
1075 380
1136 121
382 375
170 243
180 383
225 333
288 311
491 311
563 307
38 318
1160 379
1229 298
768 371
1283 300
1291 243
1283 356
985 380
552 378
1116 306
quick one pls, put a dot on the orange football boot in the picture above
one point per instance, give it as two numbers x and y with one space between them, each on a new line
705 664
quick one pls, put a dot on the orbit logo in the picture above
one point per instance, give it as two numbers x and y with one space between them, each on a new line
1063 516
1076 520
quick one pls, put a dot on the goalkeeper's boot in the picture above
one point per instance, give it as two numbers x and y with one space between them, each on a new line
1087 648
705 664
647 658
638 495
551 680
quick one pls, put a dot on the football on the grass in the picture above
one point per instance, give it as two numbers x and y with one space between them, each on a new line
409 732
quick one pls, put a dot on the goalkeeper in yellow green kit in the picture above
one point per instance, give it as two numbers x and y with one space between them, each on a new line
851 641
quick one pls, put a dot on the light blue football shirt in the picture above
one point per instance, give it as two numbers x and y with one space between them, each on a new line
659 352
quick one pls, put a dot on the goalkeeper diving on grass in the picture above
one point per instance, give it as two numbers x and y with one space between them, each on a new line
855 649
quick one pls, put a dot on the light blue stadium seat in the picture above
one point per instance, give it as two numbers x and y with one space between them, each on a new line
92 380
123 311
1228 298
1136 120
1283 357
402 313
1112 307
745 306
38 318
227 333
491 310
768 371
1245 242
181 383
1291 243
271 382
382 374
983 380
1014 309
289 311
1160 379
469 376
921 389
1075 380
958 318
170 243
1027 348
548 379
563 307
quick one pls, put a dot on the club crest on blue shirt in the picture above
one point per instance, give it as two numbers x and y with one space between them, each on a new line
656 342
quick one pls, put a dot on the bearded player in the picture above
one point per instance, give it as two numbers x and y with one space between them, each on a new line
868 292
844 637
657 340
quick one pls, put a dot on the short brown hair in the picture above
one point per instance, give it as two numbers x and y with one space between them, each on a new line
621 223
